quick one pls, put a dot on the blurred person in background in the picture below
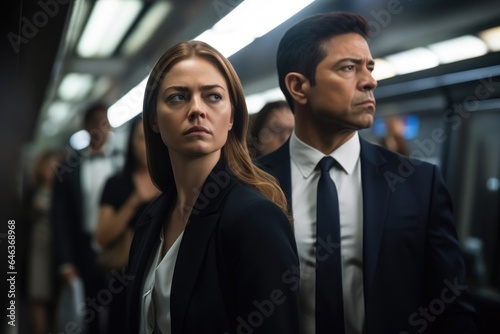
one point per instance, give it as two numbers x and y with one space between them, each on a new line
394 139
124 198
77 190
41 288
270 128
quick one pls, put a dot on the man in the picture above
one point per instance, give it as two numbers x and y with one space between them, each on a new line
77 190
399 266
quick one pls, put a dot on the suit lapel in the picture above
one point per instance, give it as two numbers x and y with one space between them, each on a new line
376 195
196 240
146 237
277 164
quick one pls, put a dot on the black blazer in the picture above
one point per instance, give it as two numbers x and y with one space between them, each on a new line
235 267
412 259
72 244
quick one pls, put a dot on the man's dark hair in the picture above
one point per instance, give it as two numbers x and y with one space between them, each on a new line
300 49
98 106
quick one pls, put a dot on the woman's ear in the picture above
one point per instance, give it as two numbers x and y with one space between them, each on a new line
297 85
231 121
154 124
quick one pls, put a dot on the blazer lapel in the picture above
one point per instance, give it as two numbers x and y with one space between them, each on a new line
147 233
195 241
277 164
376 195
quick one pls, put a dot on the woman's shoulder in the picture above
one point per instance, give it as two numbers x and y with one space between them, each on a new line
247 196
246 204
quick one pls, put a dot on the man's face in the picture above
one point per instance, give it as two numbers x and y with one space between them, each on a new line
98 128
342 97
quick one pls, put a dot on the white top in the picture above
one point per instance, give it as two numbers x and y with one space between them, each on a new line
347 177
95 171
155 308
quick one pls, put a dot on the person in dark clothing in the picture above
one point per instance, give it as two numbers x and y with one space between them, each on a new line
124 198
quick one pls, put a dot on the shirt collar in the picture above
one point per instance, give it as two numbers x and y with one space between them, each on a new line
306 157
105 152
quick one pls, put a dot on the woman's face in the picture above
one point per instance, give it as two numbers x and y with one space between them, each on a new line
139 144
193 109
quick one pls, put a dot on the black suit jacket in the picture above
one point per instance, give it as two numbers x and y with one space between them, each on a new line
72 242
230 271
414 273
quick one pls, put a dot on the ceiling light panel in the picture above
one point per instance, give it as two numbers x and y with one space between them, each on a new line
128 106
238 29
75 86
383 70
108 23
459 48
492 38
412 60
149 23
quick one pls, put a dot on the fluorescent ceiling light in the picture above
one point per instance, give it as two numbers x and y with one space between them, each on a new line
107 24
459 48
149 23
413 60
58 111
383 70
128 106
75 86
250 20
229 35
492 38
255 102
80 140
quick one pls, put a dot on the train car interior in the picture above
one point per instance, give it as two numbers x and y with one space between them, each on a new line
437 66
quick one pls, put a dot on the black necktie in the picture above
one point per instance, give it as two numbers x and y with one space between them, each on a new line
329 297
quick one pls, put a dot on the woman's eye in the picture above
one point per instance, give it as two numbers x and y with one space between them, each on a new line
214 97
176 97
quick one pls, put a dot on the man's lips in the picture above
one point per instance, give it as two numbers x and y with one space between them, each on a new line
366 102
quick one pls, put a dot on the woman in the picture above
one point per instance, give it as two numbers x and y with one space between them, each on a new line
124 197
213 254
41 289
271 127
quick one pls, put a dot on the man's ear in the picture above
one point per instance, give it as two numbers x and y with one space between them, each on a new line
297 85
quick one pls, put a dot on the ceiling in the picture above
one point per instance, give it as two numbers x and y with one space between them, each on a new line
34 69
38 49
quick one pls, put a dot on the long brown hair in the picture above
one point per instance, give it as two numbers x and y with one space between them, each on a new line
235 151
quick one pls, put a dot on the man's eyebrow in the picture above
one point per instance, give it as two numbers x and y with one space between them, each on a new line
356 61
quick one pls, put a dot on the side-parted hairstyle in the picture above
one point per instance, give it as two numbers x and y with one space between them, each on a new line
235 151
301 48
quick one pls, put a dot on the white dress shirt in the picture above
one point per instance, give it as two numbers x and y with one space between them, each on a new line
155 308
95 171
347 177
